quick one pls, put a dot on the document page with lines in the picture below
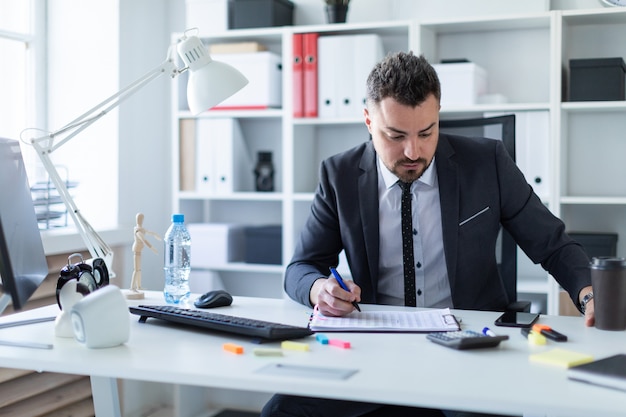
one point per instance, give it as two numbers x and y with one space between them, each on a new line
386 321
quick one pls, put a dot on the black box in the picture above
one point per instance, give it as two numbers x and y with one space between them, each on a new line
601 79
596 244
260 13
264 244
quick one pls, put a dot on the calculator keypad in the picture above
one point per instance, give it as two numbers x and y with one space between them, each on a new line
465 339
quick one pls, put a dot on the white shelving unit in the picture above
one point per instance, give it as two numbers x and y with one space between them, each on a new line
526 58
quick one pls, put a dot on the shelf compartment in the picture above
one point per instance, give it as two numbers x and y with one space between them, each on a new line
592 158
313 144
231 211
594 218
591 35
501 46
245 267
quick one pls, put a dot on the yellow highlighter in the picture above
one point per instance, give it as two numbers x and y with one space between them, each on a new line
534 337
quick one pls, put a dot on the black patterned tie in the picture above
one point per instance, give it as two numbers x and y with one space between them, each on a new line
407 245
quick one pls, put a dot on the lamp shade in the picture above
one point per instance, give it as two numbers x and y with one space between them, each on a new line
210 82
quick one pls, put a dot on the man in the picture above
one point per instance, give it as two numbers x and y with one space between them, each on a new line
462 191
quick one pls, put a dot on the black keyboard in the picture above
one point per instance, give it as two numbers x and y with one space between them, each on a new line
260 329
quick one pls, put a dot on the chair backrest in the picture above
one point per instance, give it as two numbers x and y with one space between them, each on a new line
500 128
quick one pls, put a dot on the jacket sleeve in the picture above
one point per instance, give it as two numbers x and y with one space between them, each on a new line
539 233
319 244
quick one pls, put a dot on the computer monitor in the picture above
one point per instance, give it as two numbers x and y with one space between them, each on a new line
23 264
498 128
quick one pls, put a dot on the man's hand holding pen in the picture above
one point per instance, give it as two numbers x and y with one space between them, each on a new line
332 299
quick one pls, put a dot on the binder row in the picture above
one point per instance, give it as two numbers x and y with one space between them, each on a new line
214 158
330 73
305 71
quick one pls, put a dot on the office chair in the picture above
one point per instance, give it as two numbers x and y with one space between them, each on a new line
502 128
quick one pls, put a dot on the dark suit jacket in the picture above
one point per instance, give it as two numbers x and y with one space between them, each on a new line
474 174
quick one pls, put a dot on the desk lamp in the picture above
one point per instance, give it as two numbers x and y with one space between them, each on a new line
210 82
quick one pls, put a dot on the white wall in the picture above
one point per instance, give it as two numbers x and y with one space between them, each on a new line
83 71
144 124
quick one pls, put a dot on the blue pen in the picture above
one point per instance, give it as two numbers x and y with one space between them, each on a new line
488 332
343 285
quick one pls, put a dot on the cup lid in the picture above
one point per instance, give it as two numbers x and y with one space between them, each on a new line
608 262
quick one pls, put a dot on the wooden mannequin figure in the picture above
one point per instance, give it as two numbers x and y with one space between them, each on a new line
139 242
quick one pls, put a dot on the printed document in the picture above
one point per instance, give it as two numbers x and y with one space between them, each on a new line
387 321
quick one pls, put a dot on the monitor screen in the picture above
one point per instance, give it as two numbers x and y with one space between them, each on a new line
499 127
23 264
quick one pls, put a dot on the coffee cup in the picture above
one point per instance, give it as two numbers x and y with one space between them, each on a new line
608 278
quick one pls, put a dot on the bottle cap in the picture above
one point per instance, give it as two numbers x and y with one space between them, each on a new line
178 218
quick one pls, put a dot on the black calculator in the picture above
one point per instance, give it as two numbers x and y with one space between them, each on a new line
465 339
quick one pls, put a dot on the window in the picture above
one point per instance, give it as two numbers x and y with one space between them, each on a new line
21 29
54 75
82 71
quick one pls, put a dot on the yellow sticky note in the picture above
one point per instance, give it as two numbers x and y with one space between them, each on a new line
561 357
288 344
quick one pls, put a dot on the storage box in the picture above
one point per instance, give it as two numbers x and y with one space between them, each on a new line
214 244
596 244
261 13
209 16
264 244
263 71
461 83
601 79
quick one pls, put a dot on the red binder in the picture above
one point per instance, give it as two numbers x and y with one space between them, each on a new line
309 49
298 76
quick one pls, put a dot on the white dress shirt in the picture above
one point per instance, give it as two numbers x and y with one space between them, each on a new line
431 275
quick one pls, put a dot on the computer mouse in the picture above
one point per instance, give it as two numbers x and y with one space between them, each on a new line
215 298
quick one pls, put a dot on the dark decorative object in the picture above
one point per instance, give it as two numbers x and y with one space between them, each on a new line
264 172
336 10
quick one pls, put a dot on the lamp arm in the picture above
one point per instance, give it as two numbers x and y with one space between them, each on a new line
45 146
96 246
93 115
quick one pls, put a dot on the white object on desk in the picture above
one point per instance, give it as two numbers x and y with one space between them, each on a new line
101 319
68 297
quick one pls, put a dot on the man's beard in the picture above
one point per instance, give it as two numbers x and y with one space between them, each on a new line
410 175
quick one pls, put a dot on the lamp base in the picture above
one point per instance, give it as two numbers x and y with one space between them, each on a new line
134 294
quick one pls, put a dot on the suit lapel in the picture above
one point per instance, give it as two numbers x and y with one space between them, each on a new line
368 204
447 171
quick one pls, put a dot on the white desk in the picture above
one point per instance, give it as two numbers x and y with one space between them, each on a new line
392 368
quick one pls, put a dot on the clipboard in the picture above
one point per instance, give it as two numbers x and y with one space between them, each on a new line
402 321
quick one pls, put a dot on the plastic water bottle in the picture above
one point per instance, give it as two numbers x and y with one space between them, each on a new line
177 261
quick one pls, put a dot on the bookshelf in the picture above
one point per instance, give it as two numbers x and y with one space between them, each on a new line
526 58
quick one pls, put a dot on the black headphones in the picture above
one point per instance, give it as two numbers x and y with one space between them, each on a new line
89 275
